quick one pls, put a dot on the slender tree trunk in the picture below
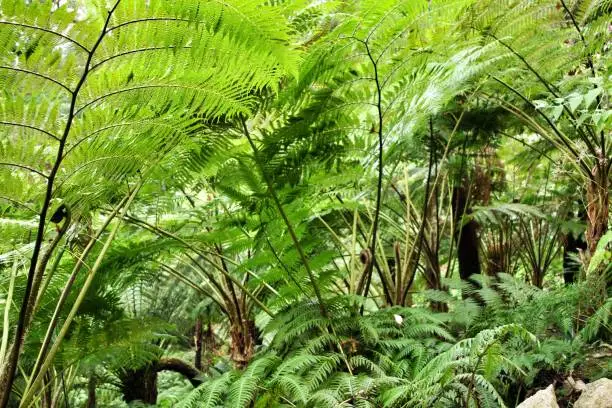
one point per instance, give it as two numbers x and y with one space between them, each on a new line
7 376
91 393
198 344
537 278
47 395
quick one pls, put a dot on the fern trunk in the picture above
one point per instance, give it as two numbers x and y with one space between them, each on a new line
243 342
140 385
467 236
598 204
571 267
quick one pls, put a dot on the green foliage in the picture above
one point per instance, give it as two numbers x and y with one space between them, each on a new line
264 146
382 362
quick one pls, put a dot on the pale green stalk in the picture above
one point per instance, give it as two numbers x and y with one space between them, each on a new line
77 303
7 308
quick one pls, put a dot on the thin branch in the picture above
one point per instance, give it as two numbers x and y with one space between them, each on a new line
380 177
144 20
591 66
48 78
550 89
563 138
577 27
19 203
11 366
200 253
23 125
22 166
46 30
138 50
280 209
423 220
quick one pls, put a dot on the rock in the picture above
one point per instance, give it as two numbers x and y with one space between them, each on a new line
597 394
580 386
541 399
572 386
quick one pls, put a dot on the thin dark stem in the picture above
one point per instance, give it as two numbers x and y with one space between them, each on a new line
280 209
590 65
39 75
21 323
562 138
28 168
550 89
46 30
577 27
282 264
380 175
26 126
423 221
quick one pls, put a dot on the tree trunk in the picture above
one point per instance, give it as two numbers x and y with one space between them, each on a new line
141 384
571 247
91 392
198 344
598 203
537 278
467 236
243 342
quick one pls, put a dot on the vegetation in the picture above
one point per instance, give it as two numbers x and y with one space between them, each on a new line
299 203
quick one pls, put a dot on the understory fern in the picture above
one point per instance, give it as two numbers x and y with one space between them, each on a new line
394 357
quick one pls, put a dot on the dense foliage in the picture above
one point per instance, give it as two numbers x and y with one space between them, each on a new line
300 203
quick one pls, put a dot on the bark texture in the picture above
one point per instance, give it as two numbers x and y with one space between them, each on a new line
598 196
141 384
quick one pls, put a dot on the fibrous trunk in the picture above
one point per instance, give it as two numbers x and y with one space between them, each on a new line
243 342
140 384
598 197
